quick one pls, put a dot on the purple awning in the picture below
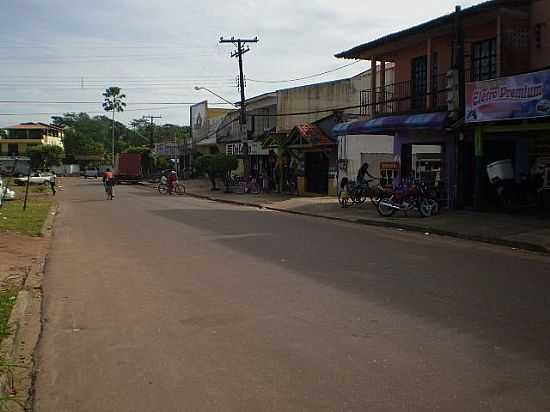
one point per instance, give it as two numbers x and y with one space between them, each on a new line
390 124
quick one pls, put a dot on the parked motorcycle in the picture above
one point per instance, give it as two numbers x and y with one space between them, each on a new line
408 198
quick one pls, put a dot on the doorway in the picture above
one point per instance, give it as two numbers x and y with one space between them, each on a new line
317 165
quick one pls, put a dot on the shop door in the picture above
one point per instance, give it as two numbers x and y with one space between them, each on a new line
317 172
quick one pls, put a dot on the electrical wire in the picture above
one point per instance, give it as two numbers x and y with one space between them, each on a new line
305 77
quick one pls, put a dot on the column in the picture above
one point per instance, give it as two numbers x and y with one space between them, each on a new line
373 85
479 195
429 80
499 46
383 87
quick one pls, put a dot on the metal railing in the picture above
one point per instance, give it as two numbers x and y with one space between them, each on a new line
401 97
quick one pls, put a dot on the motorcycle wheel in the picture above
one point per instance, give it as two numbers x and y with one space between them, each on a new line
386 211
426 207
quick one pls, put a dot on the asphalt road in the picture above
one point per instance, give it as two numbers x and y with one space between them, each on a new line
178 304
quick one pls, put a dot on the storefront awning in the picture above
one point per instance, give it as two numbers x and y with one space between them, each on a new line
391 124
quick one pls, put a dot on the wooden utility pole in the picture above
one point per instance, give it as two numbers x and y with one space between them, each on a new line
152 118
241 50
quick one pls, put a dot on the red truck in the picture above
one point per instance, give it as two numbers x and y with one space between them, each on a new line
129 168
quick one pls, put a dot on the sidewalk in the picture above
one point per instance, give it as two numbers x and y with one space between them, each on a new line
522 232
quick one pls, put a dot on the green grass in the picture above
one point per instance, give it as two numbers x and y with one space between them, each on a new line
30 222
7 301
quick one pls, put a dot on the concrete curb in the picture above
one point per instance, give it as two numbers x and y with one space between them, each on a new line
26 323
394 225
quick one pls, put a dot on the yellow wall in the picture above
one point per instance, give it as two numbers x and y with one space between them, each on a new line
314 97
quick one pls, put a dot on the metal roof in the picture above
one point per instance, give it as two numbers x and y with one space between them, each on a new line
437 22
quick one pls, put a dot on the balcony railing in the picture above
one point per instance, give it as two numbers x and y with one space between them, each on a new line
402 97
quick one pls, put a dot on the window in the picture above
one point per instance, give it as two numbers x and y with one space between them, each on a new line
13 149
419 83
484 60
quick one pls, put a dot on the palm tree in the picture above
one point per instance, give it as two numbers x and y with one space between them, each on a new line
114 102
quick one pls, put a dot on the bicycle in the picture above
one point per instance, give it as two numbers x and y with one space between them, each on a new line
242 185
179 189
109 191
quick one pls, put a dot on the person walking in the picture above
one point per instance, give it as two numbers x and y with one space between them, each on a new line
52 182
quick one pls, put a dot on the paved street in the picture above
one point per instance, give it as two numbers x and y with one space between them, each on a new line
179 304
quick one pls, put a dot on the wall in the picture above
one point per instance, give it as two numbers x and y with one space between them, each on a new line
540 14
320 96
351 148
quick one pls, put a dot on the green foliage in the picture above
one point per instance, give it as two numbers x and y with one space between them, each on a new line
46 156
114 100
216 166
161 163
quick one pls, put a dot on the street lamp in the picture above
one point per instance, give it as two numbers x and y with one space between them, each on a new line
197 88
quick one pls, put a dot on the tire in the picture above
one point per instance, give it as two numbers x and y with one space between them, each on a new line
254 189
385 210
426 207
343 199
376 195
163 189
179 189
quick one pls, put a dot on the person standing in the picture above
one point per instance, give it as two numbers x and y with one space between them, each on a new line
52 182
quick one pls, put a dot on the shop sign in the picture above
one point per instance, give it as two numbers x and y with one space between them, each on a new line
254 149
524 96
389 165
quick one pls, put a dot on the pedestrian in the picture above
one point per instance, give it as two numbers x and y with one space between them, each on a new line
52 183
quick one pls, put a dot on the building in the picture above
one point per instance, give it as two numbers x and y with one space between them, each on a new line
318 106
23 136
260 121
424 107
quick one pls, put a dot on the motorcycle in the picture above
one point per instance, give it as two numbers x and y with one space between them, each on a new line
408 198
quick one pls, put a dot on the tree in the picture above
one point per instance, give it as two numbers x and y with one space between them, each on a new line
114 102
281 146
45 156
216 166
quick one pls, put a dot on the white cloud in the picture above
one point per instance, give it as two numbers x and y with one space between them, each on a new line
168 46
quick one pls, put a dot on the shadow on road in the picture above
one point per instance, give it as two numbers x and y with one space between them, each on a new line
499 297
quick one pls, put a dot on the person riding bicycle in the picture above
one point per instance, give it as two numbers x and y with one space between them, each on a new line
172 180
364 171
109 181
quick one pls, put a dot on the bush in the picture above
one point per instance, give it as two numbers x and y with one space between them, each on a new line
216 166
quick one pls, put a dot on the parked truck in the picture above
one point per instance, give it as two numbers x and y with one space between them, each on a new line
129 168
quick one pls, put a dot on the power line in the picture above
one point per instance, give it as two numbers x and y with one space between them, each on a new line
306 77
98 102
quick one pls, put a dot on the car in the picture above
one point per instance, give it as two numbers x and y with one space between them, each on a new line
36 178
91 172
5 192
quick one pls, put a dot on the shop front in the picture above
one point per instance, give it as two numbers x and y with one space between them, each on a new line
424 145
509 119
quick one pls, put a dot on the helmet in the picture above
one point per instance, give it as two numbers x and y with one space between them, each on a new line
173 172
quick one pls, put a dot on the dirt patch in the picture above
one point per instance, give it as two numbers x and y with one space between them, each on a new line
18 253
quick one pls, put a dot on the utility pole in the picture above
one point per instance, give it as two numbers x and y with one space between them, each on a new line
152 118
241 50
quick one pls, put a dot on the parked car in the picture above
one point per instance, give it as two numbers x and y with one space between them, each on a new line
5 192
91 172
36 178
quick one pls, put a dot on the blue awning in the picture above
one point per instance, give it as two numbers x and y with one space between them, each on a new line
390 124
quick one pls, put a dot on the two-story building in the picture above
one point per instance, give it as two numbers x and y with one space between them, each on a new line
260 121
21 137
424 107
305 114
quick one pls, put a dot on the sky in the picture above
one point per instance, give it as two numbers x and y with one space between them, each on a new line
158 51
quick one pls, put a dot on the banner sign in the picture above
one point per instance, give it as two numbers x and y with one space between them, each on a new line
254 149
523 96
199 121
